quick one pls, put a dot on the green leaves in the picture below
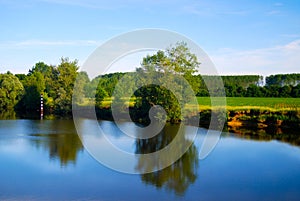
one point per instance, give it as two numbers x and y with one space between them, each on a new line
100 95
66 76
167 70
11 90
55 83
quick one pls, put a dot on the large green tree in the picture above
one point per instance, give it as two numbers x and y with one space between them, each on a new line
50 75
82 83
66 76
39 81
34 84
167 68
100 95
11 91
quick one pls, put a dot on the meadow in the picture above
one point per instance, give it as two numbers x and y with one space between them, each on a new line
238 103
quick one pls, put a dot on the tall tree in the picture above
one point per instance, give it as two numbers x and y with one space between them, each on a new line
34 85
11 90
283 79
82 82
296 91
66 76
166 68
253 91
100 95
50 76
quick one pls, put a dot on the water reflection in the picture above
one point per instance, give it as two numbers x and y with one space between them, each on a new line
60 139
57 137
177 177
289 136
8 114
62 147
270 171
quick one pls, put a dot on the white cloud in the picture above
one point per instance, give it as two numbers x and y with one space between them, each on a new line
265 61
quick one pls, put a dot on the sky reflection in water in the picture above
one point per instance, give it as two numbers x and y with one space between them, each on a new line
45 160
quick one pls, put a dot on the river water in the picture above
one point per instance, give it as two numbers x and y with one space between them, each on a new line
45 160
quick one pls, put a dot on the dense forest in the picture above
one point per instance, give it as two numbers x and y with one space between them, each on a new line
22 92
235 85
281 85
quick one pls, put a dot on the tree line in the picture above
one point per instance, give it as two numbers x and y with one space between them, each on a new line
22 92
234 85
281 85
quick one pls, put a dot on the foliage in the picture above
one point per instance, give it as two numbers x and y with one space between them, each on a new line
166 68
34 85
100 95
11 90
254 102
253 91
243 81
62 102
82 81
283 79
56 83
107 82
235 85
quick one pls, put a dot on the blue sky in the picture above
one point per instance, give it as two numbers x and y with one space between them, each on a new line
241 37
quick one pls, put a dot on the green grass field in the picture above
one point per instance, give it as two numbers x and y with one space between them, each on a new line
233 103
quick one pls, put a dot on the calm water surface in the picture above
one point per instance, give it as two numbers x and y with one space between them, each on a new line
45 160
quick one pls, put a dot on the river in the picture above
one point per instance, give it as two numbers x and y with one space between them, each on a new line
45 160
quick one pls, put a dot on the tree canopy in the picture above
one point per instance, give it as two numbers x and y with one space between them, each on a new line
55 83
162 73
283 79
167 70
11 90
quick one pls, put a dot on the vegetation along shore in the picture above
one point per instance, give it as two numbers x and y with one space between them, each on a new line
271 104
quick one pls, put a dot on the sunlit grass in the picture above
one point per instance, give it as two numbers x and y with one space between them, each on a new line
247 103
232 103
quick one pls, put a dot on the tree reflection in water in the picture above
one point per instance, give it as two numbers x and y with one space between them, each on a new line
180 174
287 135
61 141
7 114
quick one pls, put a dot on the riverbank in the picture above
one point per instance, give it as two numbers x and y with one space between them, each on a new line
256 120
254 115
246 123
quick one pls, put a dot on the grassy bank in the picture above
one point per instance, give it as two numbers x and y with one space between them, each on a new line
270 115
241 112
232 103
247 103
